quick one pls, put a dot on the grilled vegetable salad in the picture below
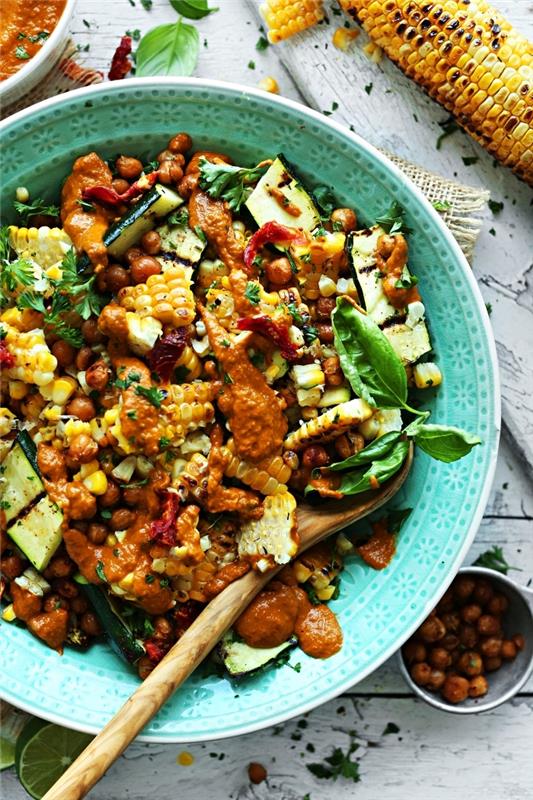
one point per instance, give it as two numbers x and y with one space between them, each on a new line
187 347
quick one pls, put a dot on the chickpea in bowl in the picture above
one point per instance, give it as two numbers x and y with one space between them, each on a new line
475 650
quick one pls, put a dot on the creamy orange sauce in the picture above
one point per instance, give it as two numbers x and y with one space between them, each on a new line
251 407
215 219
391 260
26 26
51 627
222 498
86 229
380 548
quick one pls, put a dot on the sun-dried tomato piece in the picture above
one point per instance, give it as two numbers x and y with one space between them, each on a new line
7 359
166 352
120 63
108 196
156 650
279 334
163 530
271 233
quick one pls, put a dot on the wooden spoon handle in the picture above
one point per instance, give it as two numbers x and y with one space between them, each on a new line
177 665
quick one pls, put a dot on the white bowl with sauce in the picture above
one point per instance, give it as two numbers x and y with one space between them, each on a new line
36 68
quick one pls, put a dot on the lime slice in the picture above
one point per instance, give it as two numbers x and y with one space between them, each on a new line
43 752
7 753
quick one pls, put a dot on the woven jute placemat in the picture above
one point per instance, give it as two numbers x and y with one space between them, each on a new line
461 204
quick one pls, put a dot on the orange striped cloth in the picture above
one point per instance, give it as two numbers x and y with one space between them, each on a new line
67 74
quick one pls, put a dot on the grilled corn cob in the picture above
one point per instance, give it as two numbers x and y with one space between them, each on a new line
200 575
331 423
273 539
189 361
188 407
46 246
271 480
287 17
469 58
166 297
34 363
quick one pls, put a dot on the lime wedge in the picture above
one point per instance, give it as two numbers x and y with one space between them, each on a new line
7 753
43 752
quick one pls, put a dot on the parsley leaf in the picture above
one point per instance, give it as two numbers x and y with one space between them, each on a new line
252 292
179 217
406 281
52 315
391 727
338 764
495 206
494 559
441 205
21 53
154 395
392 220
229 182
37 206
261 44
13 274
99 569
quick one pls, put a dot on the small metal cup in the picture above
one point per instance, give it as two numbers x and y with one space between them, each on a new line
511 677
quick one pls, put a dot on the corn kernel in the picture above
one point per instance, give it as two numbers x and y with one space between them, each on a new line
96 483
88 469
8 614
301 572
17 390
269 85
111 540
427 375
343 37
22 194
326 593
54 272
127 582
12 316
62 390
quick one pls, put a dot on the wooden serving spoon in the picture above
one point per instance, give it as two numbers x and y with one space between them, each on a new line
314 524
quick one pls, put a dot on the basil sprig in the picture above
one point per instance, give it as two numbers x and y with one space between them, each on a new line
168 50
192 9
444 442
378 472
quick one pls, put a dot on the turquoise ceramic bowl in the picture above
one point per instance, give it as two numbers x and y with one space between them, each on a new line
377 610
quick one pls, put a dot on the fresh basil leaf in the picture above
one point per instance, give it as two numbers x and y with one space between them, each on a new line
168 50
416 425
396 517
367 358
444 442
192 9
376 449
381 470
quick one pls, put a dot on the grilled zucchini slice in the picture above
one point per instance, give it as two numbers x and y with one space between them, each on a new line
22 483
156 203
240 660
38 532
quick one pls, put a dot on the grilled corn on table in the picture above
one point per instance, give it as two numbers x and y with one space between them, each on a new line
432 754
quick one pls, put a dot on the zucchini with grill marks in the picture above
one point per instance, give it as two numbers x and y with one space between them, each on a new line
38 532
21 481
240 660
405 329
140 218
280 196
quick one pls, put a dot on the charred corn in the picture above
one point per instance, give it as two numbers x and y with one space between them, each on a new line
188 407
287 17
166 297
190 362
331 423
46 246
470 59
34 363
271 479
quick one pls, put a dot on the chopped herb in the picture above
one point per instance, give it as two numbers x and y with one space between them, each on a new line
441 205
406 281
132 377
488 306
492 232
258 260
40 37
296 667
227 378
149 578
258 360
105 514
4 505
295 314
86 206
251 65
229 182
38 206
154 395
147 4
132 414
338 764
199 232
261 44
164 583
87 24
224 343
99 569
391 727
494 559
179 217
164 442
469 160
318 232
325 200
369 87
21 35
135 35
392 220
252 292
334 105
448 126
116 552
21 52
310 333
495 206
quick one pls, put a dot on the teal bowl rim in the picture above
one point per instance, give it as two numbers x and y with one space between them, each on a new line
306 113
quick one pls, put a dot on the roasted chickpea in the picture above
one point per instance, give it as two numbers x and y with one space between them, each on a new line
143 267
445 604
345 218
64 352
508 651
492 664
256 772
78 605
110 497
348 444
81 407
498 605
519 641
97 375
455 689
82 449
452 621
11 566
180 143
436 680
187 185
120 185
488 625
97 533
151 243
470 663
54 601
90 332
420 673
128 167
144 667
332 371
279 271
471 613
483 592
65 588
449 642
491 646
82 504
432 630
121 518
84 357
325 332
116 278
468 636
324 308
315 456
90 625
440 658
414 652
132 253
170 171
463 586
60 567
132 497
478 686
162 629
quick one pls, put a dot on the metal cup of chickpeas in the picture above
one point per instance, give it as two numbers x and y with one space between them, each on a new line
475 650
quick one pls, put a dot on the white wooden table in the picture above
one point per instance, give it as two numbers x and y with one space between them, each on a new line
433 755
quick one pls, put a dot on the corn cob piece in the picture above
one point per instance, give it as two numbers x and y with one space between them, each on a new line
189 361
188 407
287 17
328 425
269 480
34 363
200 575
193 479
166 297
273 539
321 257
469 58
46 246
